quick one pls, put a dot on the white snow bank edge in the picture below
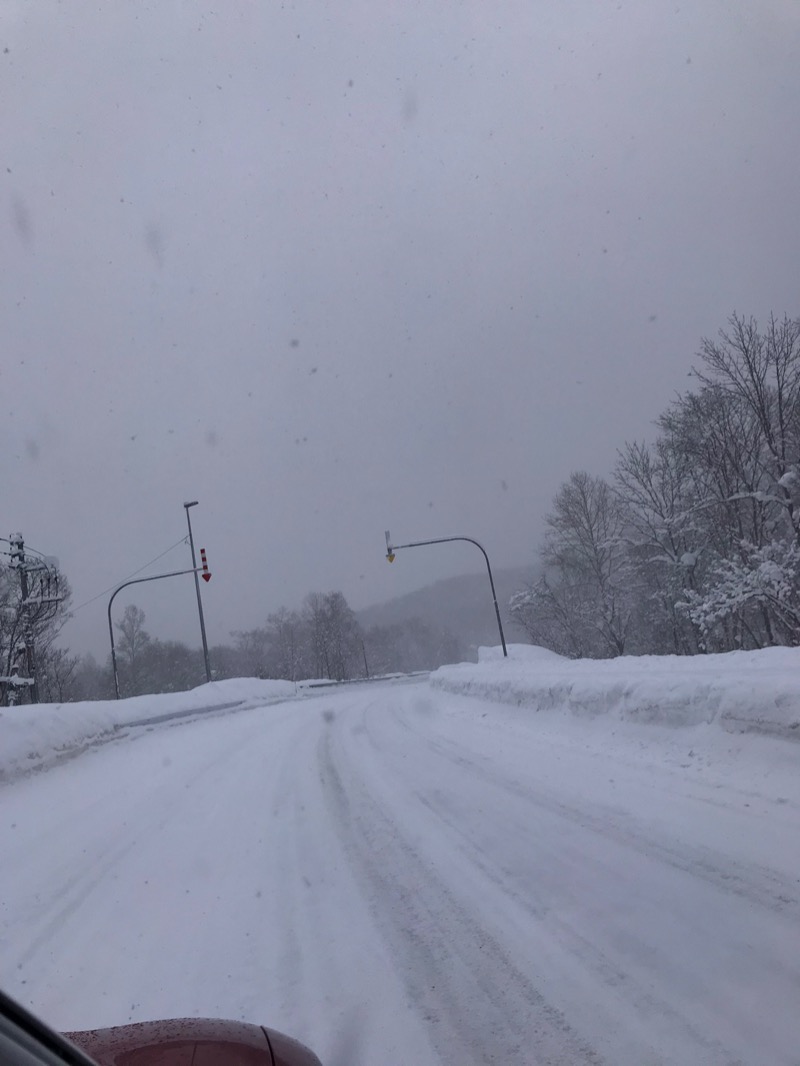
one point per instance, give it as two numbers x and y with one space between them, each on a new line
741 692
36 737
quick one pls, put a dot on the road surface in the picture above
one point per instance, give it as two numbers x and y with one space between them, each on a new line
395 874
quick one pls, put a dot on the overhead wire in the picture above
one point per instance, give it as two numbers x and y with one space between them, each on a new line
110 588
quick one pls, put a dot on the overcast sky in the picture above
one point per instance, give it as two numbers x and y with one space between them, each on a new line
336 266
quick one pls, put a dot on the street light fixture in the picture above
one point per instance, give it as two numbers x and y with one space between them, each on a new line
193 503
392 549
119 588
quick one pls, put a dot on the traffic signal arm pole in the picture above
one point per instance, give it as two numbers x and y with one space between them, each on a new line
446 540
124 585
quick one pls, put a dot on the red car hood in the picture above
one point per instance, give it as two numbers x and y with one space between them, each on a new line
192 1042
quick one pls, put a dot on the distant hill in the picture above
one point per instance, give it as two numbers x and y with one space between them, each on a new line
460 605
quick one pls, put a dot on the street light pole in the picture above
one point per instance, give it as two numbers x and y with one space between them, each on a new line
392 548
193 503
119 588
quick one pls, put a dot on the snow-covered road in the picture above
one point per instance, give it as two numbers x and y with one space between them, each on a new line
395 874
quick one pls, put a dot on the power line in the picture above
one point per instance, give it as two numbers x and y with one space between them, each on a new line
35 551
135 572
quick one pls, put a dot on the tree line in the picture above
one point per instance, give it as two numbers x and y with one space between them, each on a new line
323 639
693 543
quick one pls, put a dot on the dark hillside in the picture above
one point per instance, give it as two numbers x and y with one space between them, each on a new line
461 606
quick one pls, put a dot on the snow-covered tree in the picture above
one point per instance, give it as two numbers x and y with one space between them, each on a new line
334 636
663 540
556 616
130 647
584 603
287 644
694 547
765 578
251 653
761 371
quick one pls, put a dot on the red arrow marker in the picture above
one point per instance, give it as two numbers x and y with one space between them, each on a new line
206 574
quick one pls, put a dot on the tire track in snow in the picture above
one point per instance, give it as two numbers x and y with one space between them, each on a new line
478 1005
339 985
639 981
757 884
62 900
586 952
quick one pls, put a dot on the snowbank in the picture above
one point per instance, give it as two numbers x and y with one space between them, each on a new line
752 691
35 736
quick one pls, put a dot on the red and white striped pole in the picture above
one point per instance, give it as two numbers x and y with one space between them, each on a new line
206 574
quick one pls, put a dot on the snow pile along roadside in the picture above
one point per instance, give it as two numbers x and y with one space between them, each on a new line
743 691
35 736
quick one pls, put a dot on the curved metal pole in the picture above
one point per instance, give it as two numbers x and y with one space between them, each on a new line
119 588
444 540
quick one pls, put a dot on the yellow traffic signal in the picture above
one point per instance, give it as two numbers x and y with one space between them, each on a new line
390 556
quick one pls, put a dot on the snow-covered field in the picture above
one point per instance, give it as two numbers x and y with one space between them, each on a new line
399 873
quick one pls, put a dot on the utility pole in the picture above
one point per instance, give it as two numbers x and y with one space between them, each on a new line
18 563
38 603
